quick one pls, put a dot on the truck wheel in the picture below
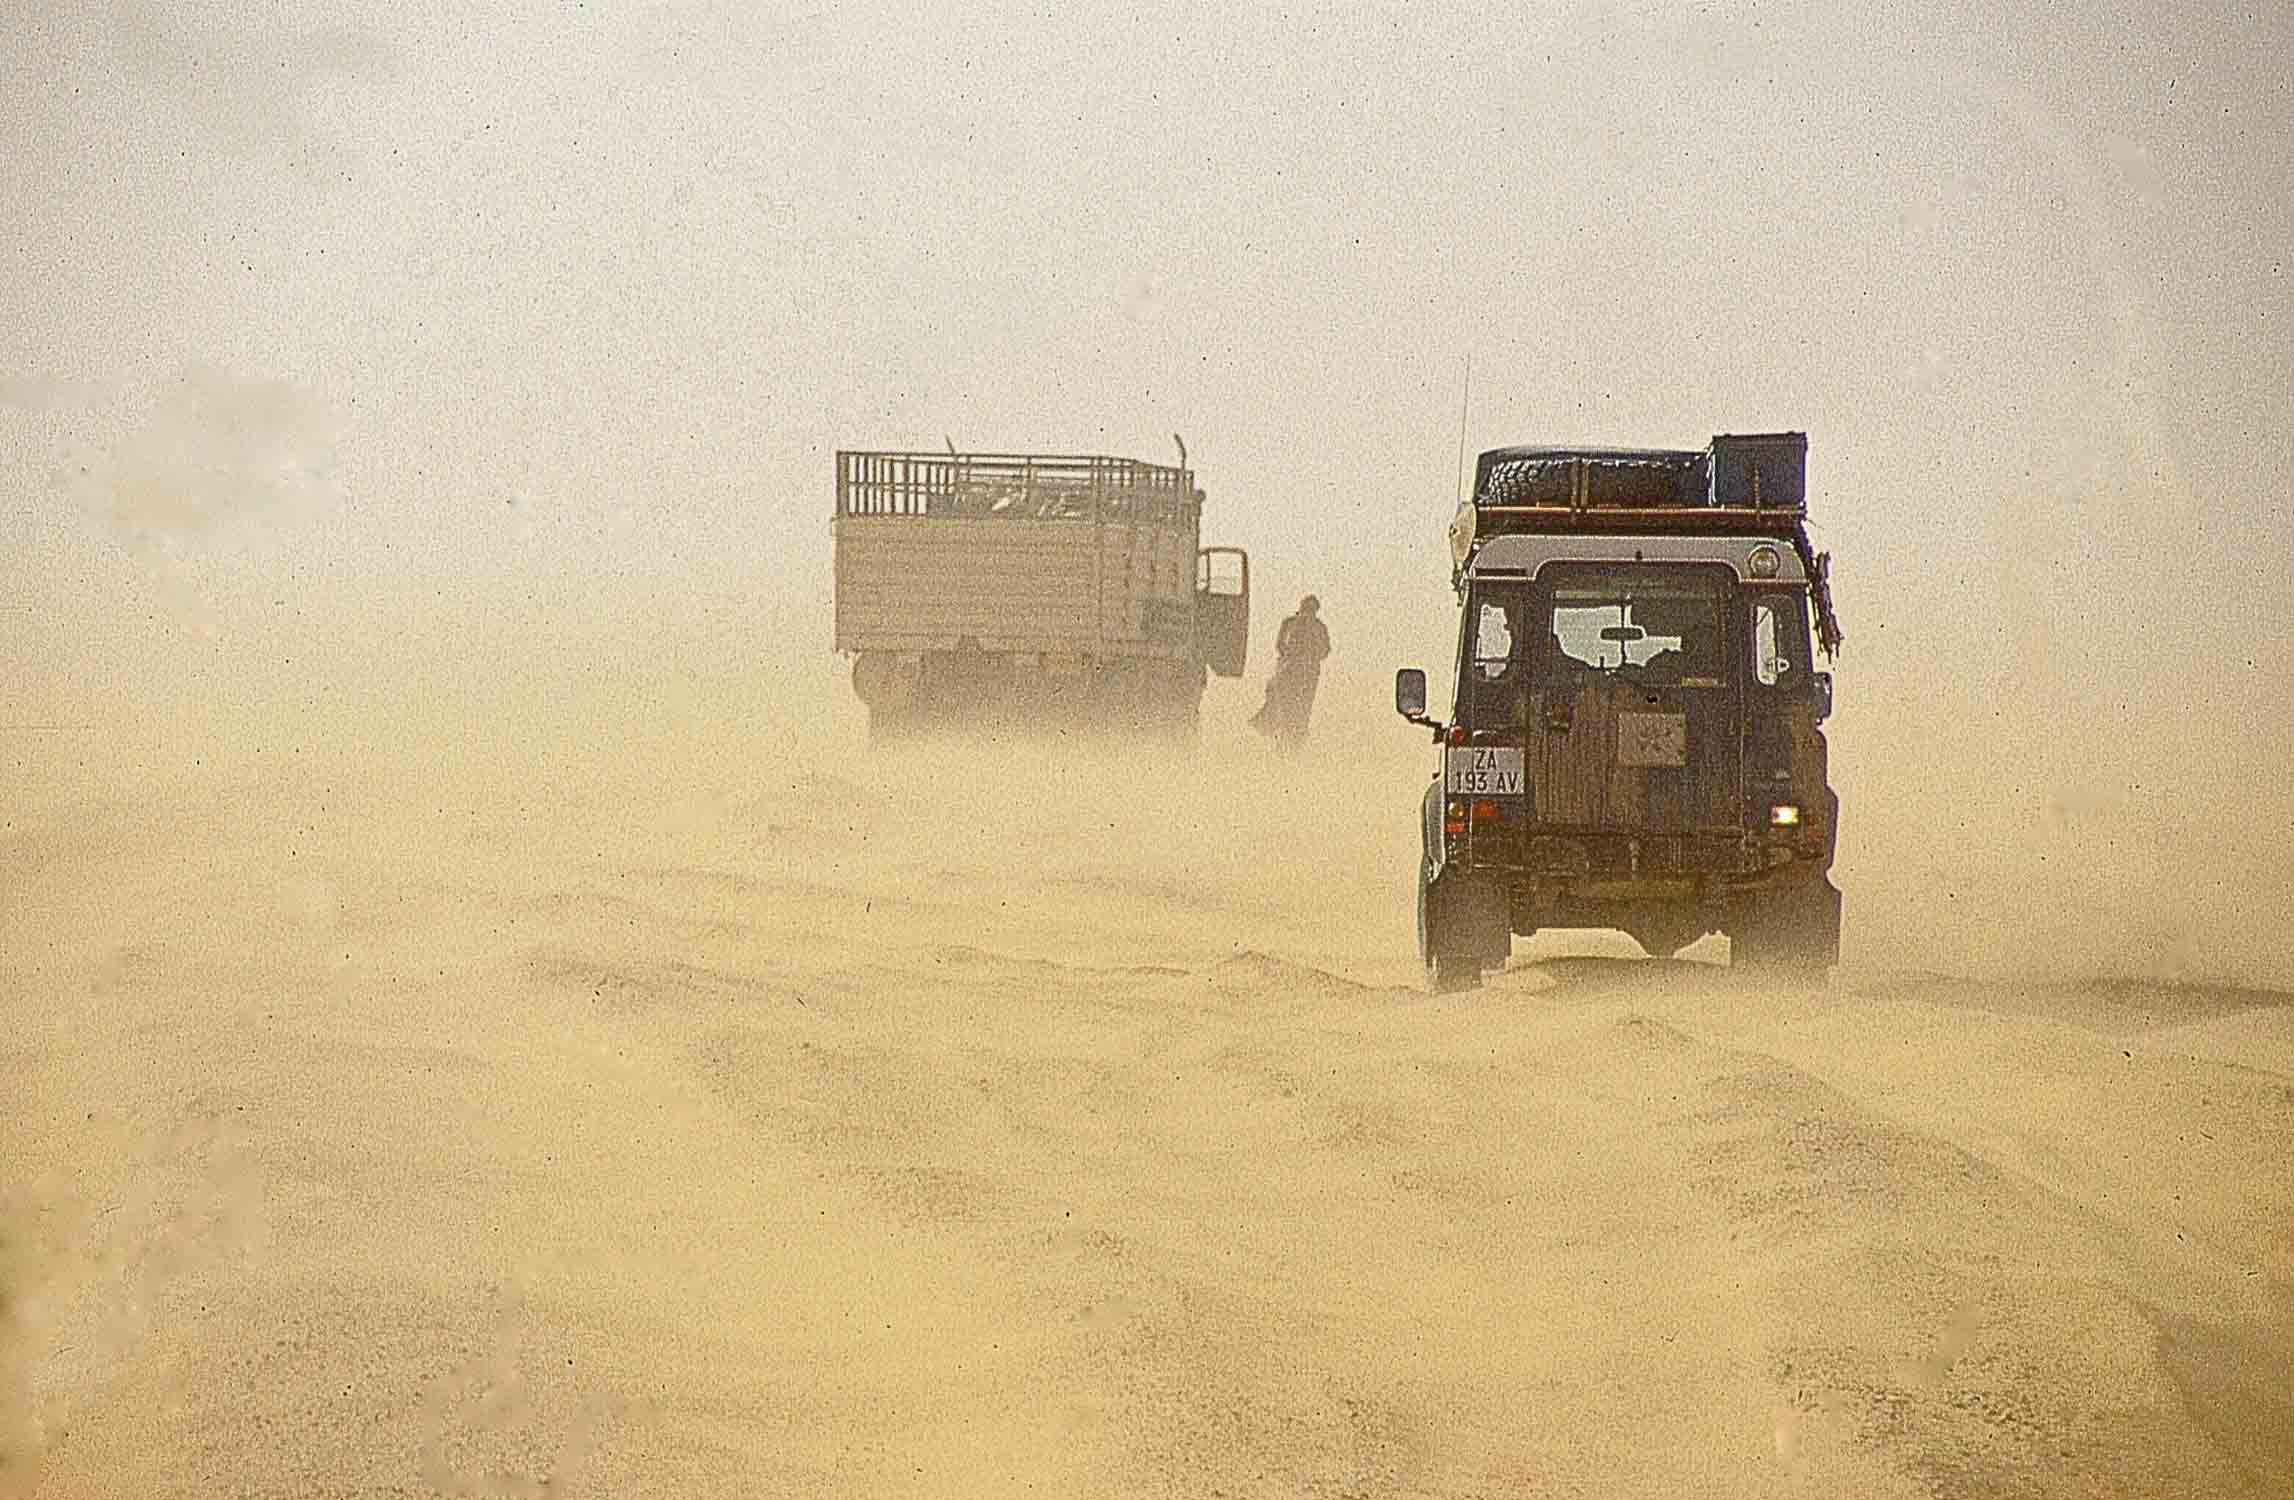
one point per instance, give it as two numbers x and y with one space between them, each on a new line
1425 914
1179 705
886 677
892 726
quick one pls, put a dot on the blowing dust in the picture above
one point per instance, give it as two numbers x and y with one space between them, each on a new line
506 1069
477 1018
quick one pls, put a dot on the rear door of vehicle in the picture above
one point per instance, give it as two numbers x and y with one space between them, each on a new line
1638 713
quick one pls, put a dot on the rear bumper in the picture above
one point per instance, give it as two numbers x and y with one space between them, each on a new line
1723 908
1554 874
1549 853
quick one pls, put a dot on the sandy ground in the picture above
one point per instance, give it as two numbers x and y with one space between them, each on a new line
779 1125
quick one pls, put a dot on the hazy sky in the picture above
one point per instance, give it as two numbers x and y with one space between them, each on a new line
564 307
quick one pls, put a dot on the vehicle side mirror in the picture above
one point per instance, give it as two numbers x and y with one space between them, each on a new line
1821 687
1410 693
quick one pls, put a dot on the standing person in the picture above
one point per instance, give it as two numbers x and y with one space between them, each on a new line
1299 647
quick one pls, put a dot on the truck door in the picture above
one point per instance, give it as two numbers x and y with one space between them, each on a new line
1223 609
1637 723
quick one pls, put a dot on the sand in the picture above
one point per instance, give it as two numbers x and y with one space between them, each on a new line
771 1119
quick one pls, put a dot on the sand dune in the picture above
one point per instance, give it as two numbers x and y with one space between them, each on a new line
747 1127
474 1021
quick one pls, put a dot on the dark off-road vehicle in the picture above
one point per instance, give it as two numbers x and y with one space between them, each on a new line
1635 739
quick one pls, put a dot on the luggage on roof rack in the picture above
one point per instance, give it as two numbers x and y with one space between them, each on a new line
1758 481
1750 484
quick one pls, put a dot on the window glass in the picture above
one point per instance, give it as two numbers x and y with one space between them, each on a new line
1653 633
1493 640
1779 640
1495 697
1769 664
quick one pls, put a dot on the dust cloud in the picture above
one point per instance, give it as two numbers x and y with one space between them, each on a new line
741 1112
480 1020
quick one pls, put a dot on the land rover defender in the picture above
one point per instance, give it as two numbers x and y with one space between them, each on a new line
1634 741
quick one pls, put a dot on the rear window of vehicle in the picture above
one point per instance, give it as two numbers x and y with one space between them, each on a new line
1649 624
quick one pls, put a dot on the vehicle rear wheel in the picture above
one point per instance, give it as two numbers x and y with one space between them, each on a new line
1462 931
1794 934
1450 973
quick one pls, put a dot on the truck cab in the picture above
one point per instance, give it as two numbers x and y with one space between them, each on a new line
1634 741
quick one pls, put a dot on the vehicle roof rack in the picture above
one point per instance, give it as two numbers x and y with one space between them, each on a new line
1752 484
1014 486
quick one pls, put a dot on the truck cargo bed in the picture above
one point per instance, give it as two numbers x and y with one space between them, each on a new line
921 583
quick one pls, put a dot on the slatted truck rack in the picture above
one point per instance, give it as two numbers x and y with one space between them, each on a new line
1047 590
1635 738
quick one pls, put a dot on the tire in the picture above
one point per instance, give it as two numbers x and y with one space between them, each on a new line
1795 935
1425 921
1453 960
893 726
1449 974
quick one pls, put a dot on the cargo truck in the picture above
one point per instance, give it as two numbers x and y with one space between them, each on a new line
1052 591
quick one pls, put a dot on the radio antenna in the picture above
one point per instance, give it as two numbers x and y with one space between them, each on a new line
1465 397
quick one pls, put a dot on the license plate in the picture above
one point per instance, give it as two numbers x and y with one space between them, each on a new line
1652 739
1485 772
